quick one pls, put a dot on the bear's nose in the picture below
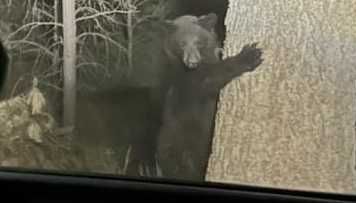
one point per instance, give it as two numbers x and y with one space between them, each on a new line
192 58
192 65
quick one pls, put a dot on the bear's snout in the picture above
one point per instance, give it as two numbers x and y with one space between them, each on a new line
192 57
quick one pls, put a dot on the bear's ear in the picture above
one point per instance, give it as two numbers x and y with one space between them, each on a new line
208 21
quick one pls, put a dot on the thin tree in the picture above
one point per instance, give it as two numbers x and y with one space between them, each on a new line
69 62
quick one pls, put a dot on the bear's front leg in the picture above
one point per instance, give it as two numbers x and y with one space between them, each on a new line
217 75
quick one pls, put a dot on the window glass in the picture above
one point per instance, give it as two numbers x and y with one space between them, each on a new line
237 92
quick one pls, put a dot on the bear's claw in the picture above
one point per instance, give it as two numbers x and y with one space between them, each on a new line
251 56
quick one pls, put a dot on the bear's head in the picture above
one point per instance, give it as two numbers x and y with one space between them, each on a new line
193 40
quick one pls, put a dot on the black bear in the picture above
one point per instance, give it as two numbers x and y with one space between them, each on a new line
3 65
168 126
184 142
131 116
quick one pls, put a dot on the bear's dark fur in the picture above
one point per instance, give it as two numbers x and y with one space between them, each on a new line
188 119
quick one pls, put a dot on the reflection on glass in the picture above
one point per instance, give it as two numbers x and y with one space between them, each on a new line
240 92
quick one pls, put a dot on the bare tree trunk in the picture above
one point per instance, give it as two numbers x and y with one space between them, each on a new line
69 68
290 123
56 36
129 35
